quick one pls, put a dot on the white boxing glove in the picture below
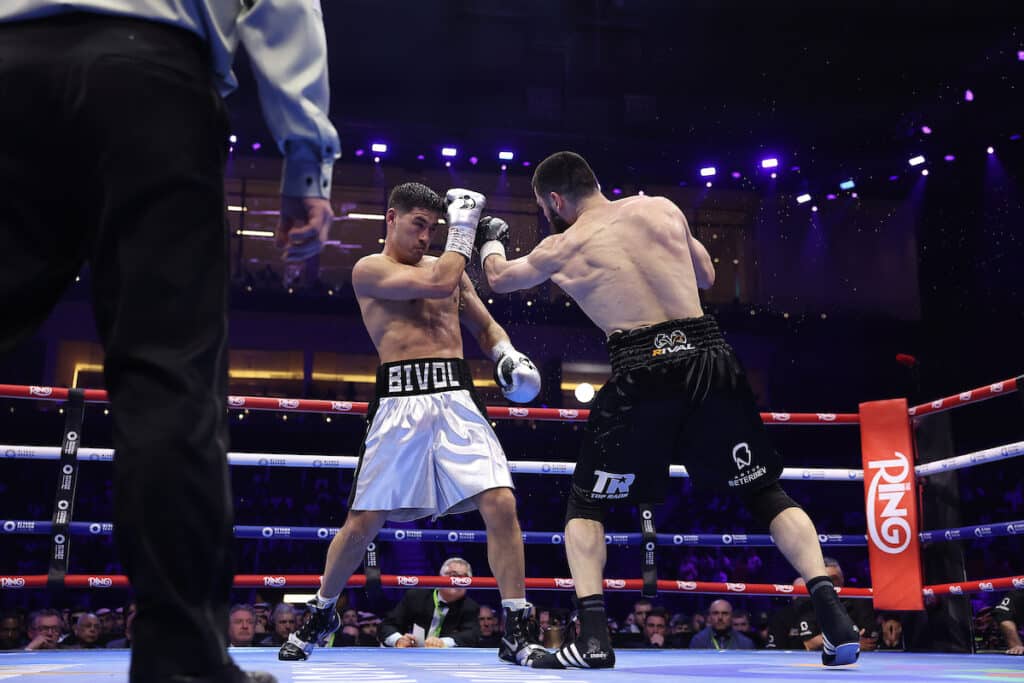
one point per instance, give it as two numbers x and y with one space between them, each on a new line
464 209
515 374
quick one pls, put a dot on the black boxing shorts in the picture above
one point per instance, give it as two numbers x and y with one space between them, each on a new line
677 395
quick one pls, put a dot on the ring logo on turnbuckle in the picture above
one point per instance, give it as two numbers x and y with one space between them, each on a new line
673 342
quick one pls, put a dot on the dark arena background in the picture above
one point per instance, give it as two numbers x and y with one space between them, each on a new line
855 171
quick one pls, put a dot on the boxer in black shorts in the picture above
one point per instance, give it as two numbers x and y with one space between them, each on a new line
677 392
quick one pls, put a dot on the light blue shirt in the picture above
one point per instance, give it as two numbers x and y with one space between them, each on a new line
286 43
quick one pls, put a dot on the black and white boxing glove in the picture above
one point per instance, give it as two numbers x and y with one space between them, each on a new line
515 374
491 237
464 209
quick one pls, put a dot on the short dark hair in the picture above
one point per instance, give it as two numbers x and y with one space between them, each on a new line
566 173
408 196
40 613
740 614
658 611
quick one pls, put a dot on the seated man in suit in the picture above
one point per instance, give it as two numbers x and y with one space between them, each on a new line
445 616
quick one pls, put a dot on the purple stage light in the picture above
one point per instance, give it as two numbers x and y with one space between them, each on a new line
969 95
926 130
737 175
991 150
924 171
893 178
360 152
474 161
447 164
1015 136
794 169
504 167
379 148
770 162
449 151
616 190
708 171
506 155
949 157
814 209
256 146
774 175
1020 55
526 164
420 157
376 160
830 196
707 184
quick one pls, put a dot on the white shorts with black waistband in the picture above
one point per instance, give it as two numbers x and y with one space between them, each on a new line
428 454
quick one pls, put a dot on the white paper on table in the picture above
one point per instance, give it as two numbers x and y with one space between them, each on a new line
418 634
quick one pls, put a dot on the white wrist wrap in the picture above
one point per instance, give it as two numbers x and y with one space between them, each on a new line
460 239
502 348
489 248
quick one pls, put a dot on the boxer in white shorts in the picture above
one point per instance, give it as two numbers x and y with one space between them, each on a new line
429 449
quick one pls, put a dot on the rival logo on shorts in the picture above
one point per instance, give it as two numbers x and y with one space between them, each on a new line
614 583
686 585
15 582
407 580
462 581
518 412
565 583
673 342
736 587
888 528
612 485
341 406
100 582
236 401
275 581
40 391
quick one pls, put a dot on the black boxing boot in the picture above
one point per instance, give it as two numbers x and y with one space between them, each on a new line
591 649
840 636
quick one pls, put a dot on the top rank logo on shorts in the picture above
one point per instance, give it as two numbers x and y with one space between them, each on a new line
672 342
611 485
